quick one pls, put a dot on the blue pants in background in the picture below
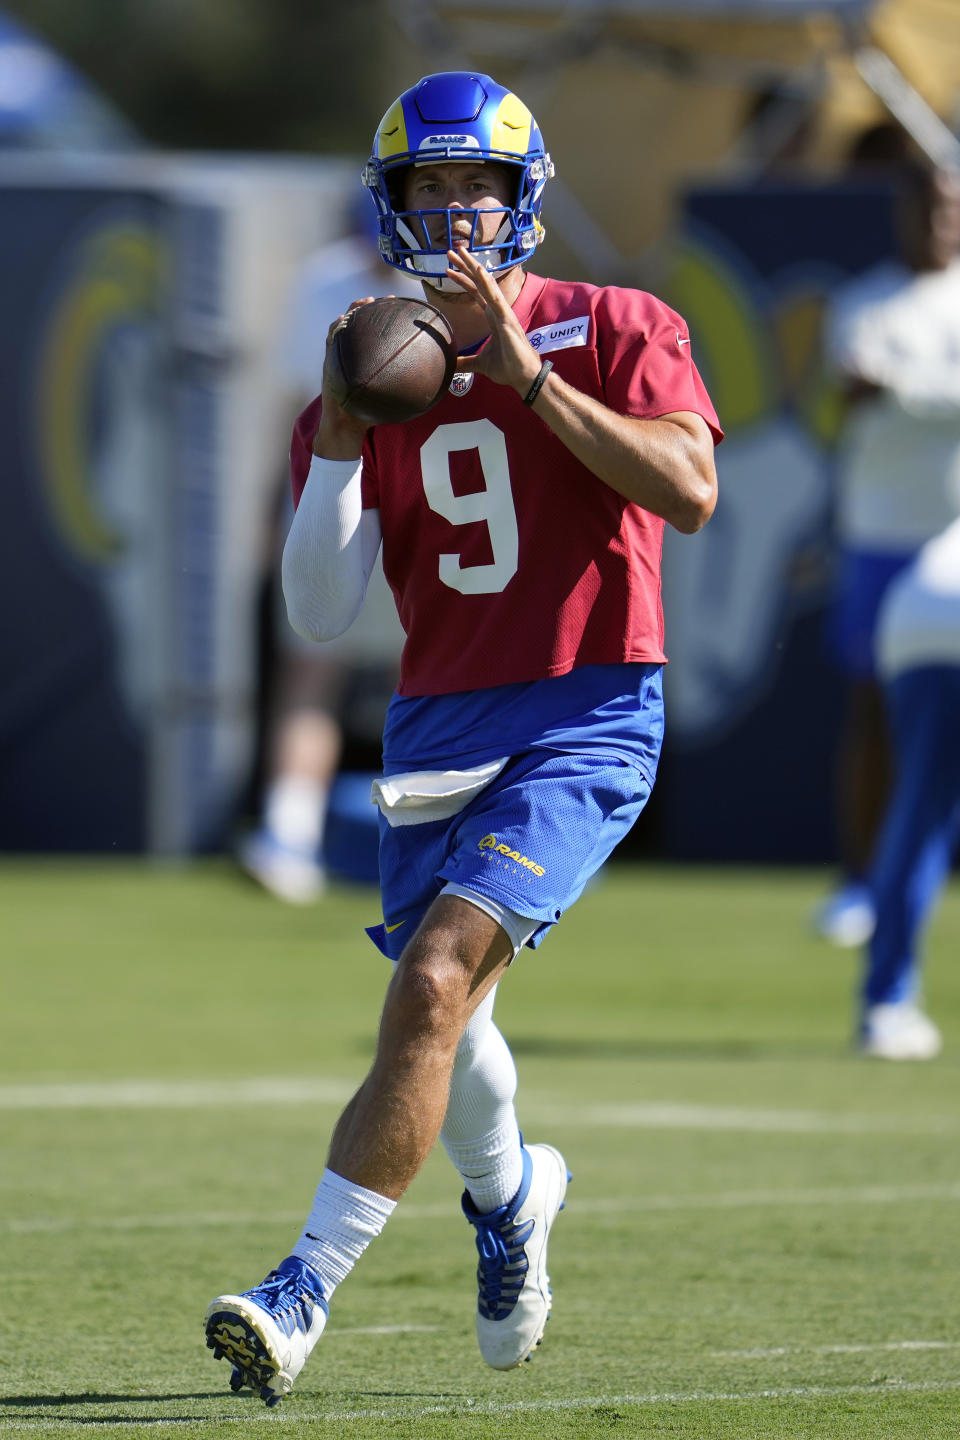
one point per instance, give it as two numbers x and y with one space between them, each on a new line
921 826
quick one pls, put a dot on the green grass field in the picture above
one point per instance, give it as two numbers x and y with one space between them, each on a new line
761 1239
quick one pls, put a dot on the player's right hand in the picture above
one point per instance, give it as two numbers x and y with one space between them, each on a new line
507 357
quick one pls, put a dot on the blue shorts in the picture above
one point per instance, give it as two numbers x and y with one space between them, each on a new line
862 580
529 840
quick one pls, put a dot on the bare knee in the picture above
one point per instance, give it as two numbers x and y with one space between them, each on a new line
450 964
428 994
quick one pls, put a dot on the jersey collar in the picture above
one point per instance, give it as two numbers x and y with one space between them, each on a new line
526 301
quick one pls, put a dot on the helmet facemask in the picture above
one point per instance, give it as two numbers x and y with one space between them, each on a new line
405 234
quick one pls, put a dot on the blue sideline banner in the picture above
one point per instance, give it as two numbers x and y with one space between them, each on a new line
79 356
753 700
145 432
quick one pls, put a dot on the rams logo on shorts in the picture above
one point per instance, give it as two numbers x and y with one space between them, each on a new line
490 842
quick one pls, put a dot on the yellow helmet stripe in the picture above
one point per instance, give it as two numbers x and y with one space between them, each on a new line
392 133
511 128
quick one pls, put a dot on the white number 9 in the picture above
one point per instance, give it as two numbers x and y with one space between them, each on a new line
494 505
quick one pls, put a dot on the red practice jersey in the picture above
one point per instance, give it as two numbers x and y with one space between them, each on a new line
508 559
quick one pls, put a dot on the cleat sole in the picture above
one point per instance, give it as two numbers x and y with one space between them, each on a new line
267 1333
231 1337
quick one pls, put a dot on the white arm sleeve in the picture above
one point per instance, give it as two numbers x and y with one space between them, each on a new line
329 552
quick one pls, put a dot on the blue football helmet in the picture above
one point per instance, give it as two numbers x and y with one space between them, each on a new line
456 115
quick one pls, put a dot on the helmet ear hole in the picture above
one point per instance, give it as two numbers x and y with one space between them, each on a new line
395 179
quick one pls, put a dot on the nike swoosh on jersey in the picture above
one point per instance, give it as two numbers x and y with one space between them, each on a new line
396 926
680 339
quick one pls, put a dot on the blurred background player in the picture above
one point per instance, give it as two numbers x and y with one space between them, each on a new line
893 336
918 656
319 694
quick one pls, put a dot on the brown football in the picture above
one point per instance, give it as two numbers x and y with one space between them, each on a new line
392 360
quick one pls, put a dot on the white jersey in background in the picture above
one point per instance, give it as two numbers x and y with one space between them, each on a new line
899 476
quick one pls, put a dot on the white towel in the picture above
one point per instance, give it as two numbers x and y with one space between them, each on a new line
423 795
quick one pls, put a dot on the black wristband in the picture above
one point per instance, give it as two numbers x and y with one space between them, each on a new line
537 385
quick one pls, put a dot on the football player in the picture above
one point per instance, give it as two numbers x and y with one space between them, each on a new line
520 522
918 658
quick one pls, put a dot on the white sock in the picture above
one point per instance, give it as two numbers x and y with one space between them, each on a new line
480 1132
492 1167
294 812
343 1221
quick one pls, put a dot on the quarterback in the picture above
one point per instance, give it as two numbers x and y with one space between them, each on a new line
520 522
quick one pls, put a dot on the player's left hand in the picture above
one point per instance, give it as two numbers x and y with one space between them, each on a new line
507 358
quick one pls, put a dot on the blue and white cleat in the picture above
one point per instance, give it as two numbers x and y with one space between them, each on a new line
514 1289
268 1332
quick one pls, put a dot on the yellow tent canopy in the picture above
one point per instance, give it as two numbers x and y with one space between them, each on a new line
637 98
